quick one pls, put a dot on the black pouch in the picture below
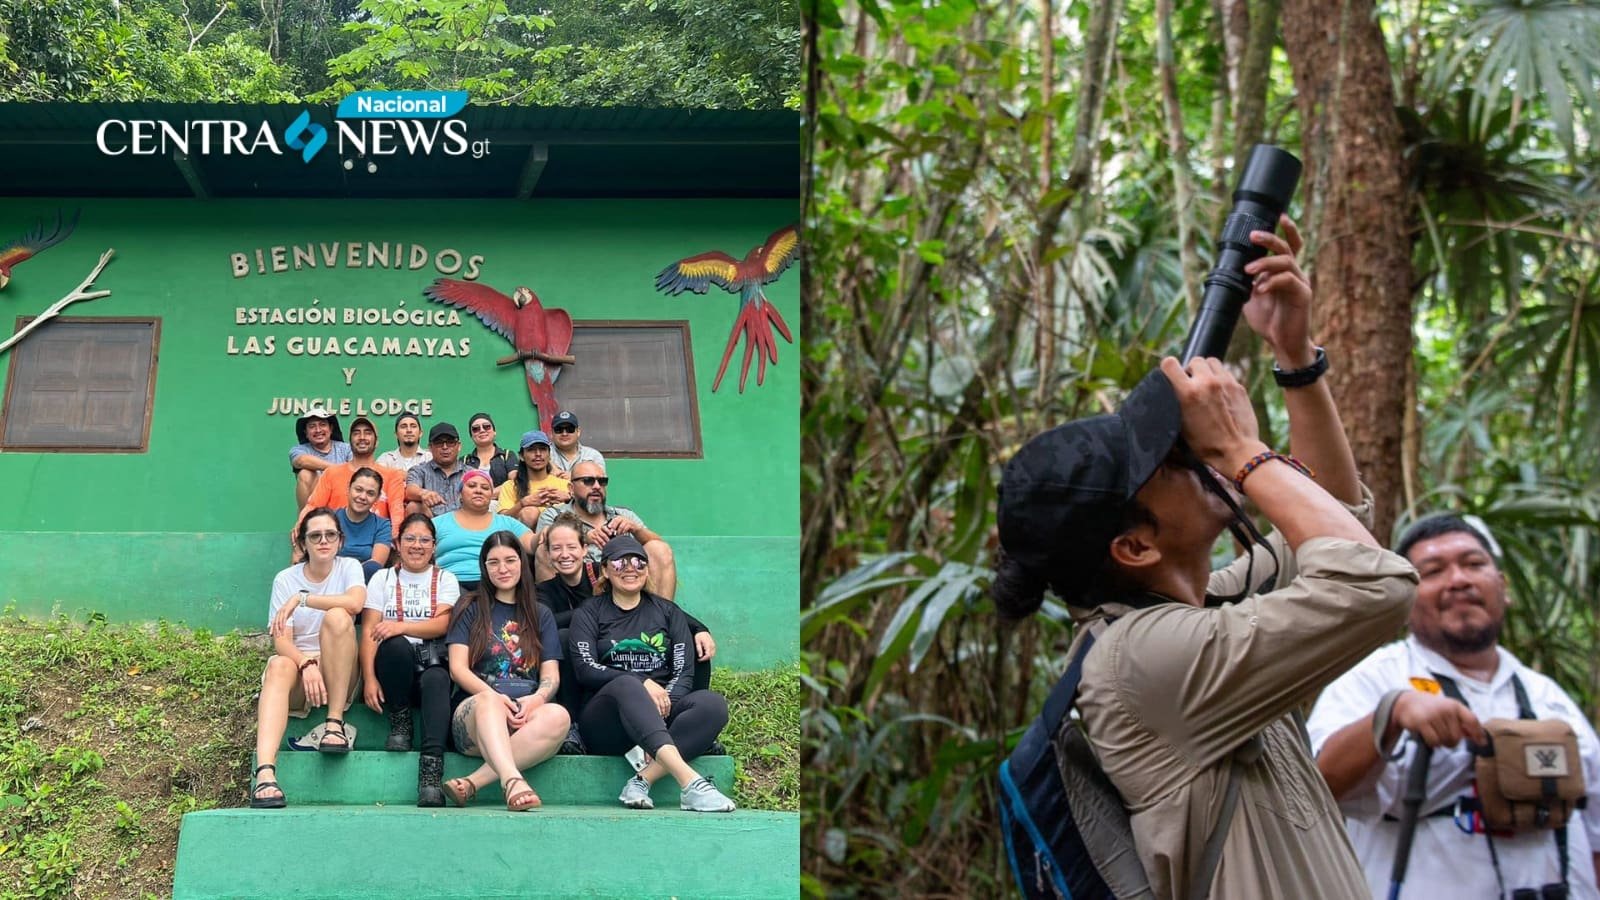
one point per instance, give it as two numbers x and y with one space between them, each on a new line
430 653
515 688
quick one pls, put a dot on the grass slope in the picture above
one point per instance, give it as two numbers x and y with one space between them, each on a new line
110 733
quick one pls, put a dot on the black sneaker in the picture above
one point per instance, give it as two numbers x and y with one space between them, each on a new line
716 749
573 745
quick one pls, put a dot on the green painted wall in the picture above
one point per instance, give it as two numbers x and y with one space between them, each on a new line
190 530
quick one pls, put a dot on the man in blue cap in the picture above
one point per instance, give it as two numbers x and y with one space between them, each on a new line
533 486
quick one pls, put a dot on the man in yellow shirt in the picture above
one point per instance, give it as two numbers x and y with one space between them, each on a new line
535 487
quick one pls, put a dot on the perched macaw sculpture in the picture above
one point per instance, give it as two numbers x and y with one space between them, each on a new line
542 337
32 243
757 315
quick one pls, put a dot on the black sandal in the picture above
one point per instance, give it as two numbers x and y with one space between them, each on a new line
259 802
327 732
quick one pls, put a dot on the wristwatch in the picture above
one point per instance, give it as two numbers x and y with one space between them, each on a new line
305 596
1302 377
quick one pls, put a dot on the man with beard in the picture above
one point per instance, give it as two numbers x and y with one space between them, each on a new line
434 487
407 435
599 523
1357 723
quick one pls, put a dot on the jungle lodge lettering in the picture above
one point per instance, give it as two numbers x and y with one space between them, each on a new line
346 406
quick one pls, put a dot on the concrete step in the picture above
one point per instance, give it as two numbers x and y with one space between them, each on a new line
364 777
383 852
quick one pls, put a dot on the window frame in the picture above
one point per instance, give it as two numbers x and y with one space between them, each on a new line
150 389
682 325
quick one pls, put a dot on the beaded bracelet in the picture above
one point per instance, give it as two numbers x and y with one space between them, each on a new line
1261 458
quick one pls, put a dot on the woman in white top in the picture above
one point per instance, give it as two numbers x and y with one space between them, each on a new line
403 657
312 623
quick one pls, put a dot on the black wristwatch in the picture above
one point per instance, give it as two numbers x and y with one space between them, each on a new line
1301 377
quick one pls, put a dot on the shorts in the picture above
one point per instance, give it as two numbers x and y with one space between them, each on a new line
298 705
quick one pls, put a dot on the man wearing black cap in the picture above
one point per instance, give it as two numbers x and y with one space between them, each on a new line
568 452
321 446
1118 519
434 487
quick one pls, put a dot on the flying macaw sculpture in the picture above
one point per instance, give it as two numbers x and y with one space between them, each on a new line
757 315
32 243
542 337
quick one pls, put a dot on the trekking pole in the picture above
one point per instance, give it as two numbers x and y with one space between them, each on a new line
1416 791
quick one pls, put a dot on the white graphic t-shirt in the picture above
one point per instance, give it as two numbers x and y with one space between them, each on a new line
414 594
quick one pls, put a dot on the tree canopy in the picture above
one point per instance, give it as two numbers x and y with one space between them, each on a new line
654 53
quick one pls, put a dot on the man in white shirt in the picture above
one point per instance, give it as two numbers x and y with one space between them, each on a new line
407 435
1455 629
568 452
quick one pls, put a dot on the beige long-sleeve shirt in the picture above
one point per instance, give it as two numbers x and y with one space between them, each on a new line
1169 692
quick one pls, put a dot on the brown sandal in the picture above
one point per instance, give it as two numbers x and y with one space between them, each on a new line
521 801
461 796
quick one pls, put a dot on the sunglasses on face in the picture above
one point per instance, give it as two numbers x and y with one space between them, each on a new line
628 563
591 480
564 429
446 442
482 426
322 537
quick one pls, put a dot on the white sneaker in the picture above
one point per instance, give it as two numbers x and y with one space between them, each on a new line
702 796
636 794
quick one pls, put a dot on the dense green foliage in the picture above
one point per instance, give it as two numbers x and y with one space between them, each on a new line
1010 205
684 53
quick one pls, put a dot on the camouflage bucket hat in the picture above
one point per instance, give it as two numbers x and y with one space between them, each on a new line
1061 495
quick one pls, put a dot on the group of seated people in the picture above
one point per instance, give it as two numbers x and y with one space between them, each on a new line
521 617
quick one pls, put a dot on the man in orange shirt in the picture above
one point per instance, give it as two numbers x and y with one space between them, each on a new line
333 488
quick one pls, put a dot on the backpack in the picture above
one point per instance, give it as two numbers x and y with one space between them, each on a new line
1066 829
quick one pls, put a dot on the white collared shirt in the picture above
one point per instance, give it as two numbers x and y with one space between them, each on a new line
1445 862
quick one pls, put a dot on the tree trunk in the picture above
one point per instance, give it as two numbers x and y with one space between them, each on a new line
1357 210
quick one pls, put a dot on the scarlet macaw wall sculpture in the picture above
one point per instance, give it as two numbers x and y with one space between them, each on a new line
32 243
542 337
757 315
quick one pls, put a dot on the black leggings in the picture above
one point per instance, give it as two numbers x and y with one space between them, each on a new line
622 715
403 685
570 696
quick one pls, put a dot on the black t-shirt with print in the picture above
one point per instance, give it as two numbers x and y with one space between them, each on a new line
651 641
504 656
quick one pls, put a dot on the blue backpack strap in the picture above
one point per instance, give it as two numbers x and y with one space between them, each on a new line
1065 692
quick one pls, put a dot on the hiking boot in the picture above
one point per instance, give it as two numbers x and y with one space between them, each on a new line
573 745
400 732
702 796
430 769
716 749
636 794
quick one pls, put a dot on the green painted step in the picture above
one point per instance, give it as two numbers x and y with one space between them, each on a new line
373 776
371 852
371 729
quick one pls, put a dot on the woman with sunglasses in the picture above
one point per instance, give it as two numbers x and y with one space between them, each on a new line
486 455
403 658
462 530
631 657
312 623
503 658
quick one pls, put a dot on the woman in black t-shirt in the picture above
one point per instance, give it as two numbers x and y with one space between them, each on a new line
631 652
499 644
